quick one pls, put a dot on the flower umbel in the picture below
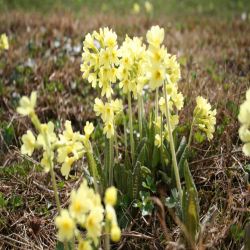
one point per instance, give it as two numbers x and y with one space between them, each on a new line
244 118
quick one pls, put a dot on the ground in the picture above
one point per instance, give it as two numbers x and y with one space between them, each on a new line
45 55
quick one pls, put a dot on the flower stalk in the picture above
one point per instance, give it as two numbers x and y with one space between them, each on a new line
132 147
172 147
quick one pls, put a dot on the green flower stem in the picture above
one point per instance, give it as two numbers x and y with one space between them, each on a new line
190 134
156 103
107 236
161 138
172 147
132 146
111 161
140 114
53 178
93 168
116 144
35 120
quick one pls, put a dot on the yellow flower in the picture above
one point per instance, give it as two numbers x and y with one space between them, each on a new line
136 8
88 129
131 71
29 143
45 162
109 130
158 140
110 214
116 105
79 206
244 113
173 69
27 105
100 60
148 7
155 36
204 117
94 224
244 118
66 226
4 43
84 245
111 196
157 77
244 133
178 100
110 38
47 130
98 106
66 166
115 233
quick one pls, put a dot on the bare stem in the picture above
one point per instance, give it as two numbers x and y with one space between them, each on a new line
53 179
132 146
156 103
140 114
111 156
172 147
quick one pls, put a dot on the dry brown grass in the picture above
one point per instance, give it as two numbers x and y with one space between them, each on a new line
215 56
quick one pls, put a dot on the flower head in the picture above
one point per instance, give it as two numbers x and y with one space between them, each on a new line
136 8
94 223
244 118
27 105
88 129
29 143
148 7
4 43
111 196
155 36
115 233
204 117
66 226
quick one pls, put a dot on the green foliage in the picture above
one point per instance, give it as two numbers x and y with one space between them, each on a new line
8 132
14 202
190 204
171 7
19 170
237 232
3 202
144 203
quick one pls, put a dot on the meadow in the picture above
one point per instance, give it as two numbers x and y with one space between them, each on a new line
171 192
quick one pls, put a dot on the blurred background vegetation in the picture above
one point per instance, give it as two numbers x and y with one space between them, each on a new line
219 8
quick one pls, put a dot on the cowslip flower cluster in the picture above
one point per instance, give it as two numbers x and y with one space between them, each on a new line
66 148
204 117
161 65
244 118
86 210
4 42
162 69
136 8
108 111
100 60
147 5
131 71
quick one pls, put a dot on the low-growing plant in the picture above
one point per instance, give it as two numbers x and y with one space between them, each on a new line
143 143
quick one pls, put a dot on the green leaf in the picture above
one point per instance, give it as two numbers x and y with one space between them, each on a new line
59 246
190 205
3 202
155 158
199 137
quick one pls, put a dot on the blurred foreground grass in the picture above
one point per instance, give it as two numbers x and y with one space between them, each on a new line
218 8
